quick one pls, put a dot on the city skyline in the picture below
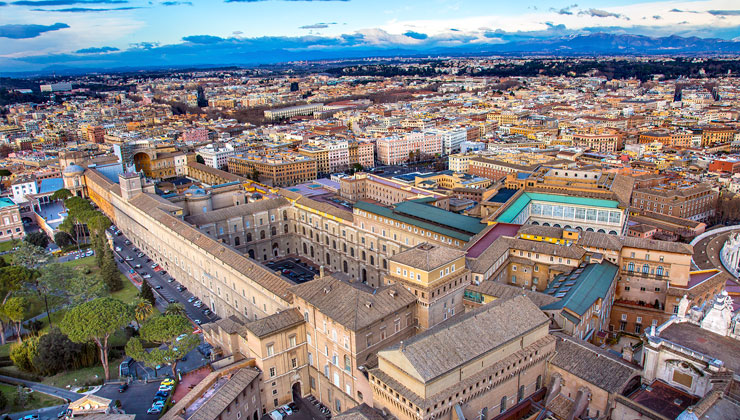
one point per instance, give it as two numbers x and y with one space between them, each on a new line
41 35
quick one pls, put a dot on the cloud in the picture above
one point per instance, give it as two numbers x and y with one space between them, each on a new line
657 17
203 39
601 13
86 9
415 35
144 45
2 3
565 10
176 3
97 50
28 31
257 1
724 12
65 2
314 26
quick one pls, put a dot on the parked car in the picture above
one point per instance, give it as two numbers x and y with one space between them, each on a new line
129 258
172 300
158 287
31 417
155 265
137 266
127 242
287 409
181 288
167 381
206 312
170 280
148 276
118 249
140 254
123 388
197 321
154 410
276 415
163 393
192 299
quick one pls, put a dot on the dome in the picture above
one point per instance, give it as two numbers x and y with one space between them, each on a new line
73 170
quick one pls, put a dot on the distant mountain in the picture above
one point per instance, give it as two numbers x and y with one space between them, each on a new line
251 52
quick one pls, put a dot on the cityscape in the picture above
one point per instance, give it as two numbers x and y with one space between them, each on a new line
316 210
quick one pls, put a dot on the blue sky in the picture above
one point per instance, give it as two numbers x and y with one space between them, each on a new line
36 34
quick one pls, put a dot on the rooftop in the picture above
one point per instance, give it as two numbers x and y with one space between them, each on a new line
427 256
706 342
663 399
581 288
513 210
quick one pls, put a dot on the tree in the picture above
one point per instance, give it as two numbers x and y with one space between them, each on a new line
16 309
255 175
96 321
11 280
22 354
38 239
30 256
57 353
3 401
294 87
199 159
61 194
142 310
175 309
147 293
63 239
5 172
163 330
109 272
67 284
356 167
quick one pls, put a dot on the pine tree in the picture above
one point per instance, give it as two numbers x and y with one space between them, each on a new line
109 271
147 292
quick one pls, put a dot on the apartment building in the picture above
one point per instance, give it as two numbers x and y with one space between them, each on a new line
369 187
394 150
685 200
292 111
502 362
451 138
11 225
278 169
600 140
215 155
496 169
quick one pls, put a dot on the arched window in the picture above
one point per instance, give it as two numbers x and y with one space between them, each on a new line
285 215
631 267
328 259
236 241
344 247
645 269
311 251
344 266
385 264
334 244
262 234
363 255
503 404
305 249
659 271
285 229
273 231
372 260
352 252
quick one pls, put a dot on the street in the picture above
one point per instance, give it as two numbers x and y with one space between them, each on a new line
165 290
135 400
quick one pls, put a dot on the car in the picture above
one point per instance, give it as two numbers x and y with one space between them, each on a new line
283 412
206 312
118 249
167 381
287 409
198 304
129 258
154 410
170 280
158 287
155 265
131 270
121 260
123 388
181 288
127 242
276 415
167 388
137 266
197 321
62 414
293 406
172 300
148 276
31 417
192 299
140 254
90 253
162 393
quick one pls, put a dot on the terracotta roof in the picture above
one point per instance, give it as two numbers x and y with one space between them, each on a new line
225 395
591 364
361 412
236 211
427 257
572 251
349 304
506 291
274 323
451 344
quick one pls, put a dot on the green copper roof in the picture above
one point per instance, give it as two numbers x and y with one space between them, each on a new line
5 202
577 291
515 208
431 218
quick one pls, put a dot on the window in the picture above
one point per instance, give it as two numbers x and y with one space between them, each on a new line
310 358
294 363
291 341
270 350
503 404
645 269
273 372
347 363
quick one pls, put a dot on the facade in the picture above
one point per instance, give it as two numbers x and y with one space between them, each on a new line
292 111
689 201
11 225
215 155
451 138
502 362
496 169
603 140
22 188
394 150
277 169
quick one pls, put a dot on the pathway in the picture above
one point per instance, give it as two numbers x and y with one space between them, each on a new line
45 389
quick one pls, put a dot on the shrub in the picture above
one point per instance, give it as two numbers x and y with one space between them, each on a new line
57 353
22 354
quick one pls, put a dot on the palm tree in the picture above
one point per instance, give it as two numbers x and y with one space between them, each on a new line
142 310
175 309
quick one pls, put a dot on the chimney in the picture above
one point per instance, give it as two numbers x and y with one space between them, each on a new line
321 272
627 353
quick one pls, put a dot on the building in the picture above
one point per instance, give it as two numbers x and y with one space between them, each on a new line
451 138
397 149
11 225
600 140
195 135
56 87
485 361
278 169
496 169
23 187
96 134
215 155
292 111
684 200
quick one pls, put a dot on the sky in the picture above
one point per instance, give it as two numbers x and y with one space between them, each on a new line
42 34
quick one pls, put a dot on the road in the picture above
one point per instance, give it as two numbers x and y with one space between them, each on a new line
45 389
136 400
45 413
706 252
165 287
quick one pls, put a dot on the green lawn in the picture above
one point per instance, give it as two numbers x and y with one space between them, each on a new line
5 350
35 400
8 245
85 376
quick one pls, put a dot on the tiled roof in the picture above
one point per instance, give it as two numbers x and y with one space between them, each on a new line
361 412
390 214
451 344
351 306
571 251
275 323
591 364
440 216
236 211
225 395
427 256
506 291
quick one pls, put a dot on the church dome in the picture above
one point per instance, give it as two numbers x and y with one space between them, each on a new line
72 170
